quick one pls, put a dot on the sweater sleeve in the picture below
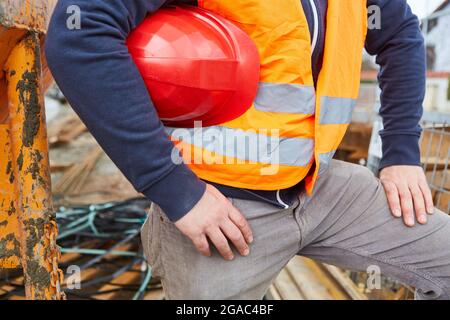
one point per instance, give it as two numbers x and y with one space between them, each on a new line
95 71
400 52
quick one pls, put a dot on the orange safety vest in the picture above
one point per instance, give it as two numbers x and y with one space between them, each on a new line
291 124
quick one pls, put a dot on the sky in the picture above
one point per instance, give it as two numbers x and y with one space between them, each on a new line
423 7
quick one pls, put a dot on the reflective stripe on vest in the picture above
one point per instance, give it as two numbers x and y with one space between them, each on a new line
286 98
248 146
336 110
325 159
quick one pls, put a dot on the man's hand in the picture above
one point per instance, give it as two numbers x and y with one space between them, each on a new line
215 218
408 192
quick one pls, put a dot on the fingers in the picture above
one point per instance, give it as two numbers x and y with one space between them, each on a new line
419 203
216 219
232 232
202 245
423 185
393 198
220 242
406 202
408 193
239 220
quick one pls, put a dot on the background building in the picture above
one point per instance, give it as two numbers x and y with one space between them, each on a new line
436 27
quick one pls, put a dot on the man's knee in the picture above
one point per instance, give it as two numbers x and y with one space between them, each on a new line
351 168
350 174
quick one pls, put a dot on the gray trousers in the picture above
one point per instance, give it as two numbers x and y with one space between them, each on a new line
346 223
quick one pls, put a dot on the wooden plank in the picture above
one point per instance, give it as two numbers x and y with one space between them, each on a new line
310 286
439 178
16 297
310 280
436 142
124 278
60 167
326 280
69 135
287 288
345 282
442 201
156 294
65 130
273 294
56 126
8 288
434 163
75 177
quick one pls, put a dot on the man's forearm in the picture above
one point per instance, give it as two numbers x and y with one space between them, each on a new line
93 68
399 47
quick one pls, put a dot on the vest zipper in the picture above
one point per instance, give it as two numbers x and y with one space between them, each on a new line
315 36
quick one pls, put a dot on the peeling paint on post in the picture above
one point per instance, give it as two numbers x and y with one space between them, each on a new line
29 150
27 89
33 14
9 225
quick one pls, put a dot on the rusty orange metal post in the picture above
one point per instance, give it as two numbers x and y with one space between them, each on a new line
27 221
9 244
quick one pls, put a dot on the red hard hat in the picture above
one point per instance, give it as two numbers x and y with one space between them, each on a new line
197 66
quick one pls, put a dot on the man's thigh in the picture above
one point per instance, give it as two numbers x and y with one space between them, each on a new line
348 223
186 274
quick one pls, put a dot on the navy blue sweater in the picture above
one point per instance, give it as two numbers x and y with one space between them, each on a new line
95 71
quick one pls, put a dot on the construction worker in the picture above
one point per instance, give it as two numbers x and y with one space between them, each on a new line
224 231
